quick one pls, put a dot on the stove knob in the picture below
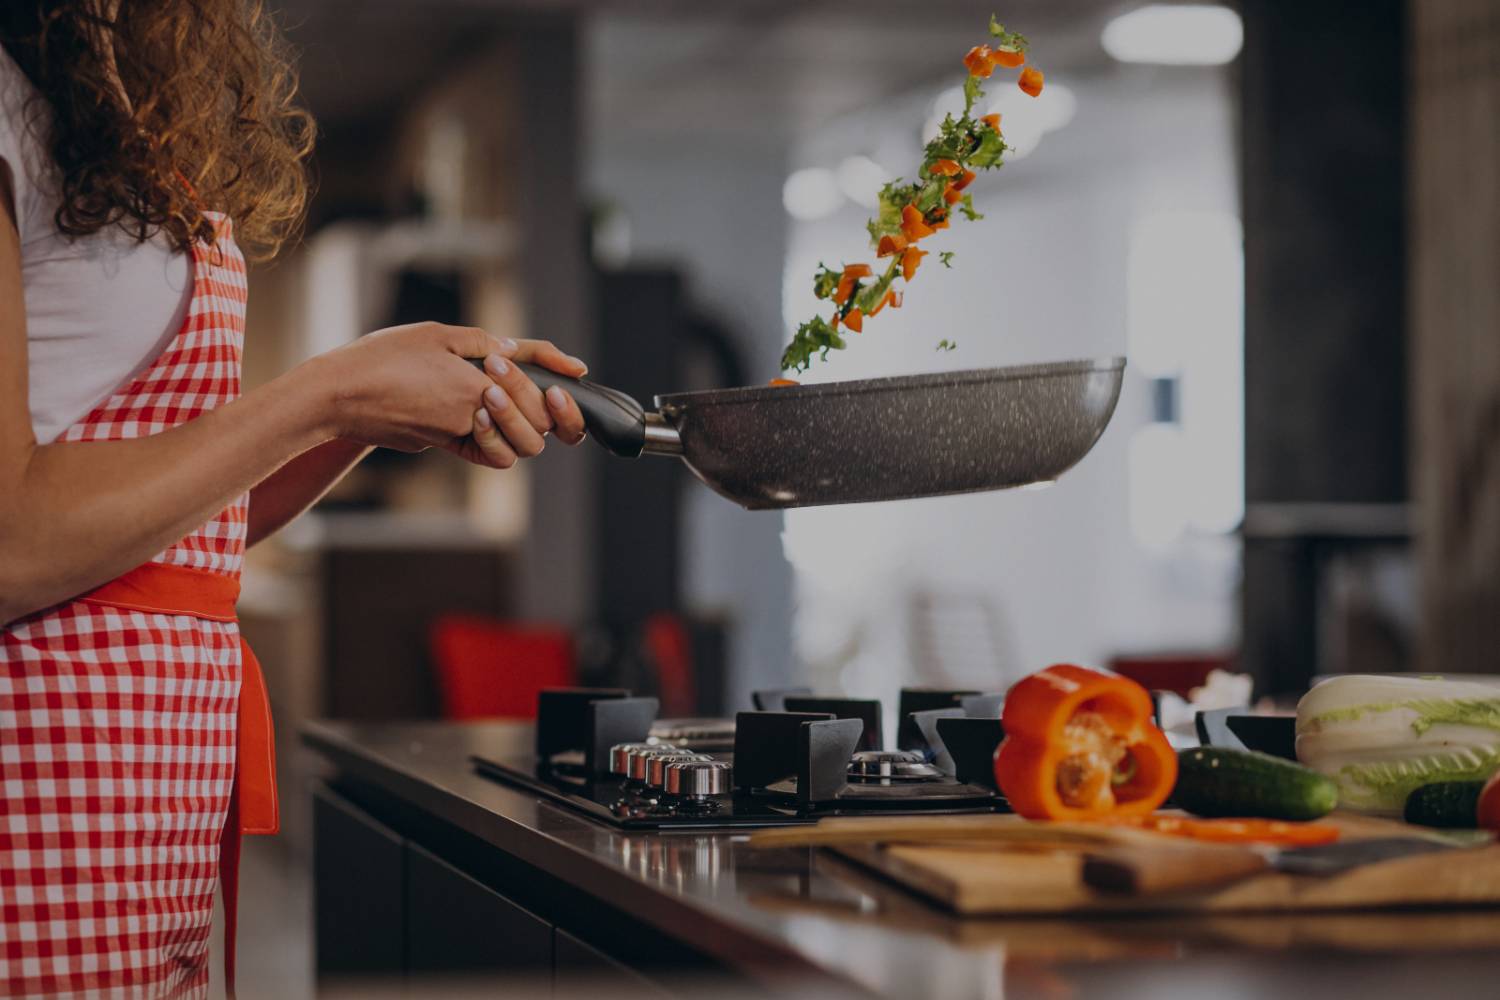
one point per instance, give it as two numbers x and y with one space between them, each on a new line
638 761
619 756
697 779
656 765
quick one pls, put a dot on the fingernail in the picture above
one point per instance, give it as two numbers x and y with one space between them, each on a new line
506 344
556 398
579 363
482 418
497 399
496 365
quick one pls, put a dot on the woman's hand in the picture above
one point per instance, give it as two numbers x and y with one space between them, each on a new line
516 415
411 387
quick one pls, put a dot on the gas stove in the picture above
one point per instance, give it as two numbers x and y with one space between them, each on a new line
796 759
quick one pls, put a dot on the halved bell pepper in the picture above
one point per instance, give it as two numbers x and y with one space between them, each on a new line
1080 744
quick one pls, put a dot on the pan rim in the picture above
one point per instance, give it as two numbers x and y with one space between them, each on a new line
1101 365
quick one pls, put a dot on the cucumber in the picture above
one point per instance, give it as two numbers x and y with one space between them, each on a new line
1214 781
1452 805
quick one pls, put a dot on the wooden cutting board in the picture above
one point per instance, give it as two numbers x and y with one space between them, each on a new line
997 878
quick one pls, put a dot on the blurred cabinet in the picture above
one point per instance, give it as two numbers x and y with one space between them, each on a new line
387 908
359 868
455 924
379 603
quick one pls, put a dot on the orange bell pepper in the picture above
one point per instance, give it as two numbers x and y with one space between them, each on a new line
1080 744
855 320
952 194
1009 58
1031 81
778 382
909 261
945 168
978 61
913 226
968 175
992 120
856 271
890 245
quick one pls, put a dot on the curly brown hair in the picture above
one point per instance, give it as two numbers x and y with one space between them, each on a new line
162 110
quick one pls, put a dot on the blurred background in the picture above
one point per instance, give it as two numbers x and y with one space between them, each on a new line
1283 213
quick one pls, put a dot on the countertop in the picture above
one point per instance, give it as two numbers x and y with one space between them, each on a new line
789 915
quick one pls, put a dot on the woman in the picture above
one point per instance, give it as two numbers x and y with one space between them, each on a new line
141 143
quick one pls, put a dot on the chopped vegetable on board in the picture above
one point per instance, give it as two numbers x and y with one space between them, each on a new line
1383 737
1080 744
912 211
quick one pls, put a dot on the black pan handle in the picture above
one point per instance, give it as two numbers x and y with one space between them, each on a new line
612 417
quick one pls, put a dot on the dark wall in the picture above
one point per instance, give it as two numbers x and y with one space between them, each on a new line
1322 155
1325 268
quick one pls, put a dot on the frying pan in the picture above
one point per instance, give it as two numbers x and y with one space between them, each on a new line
874 439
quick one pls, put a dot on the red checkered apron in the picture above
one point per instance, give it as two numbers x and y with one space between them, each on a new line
118 717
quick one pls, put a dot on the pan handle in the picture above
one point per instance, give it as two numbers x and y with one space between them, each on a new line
612 417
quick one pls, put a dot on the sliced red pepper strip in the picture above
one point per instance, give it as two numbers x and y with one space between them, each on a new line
1239 831
783 381
856 271
1488 811
1041 715
1031 81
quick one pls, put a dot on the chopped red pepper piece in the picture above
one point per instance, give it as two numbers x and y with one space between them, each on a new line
966 179
978 61
945 168
909 261
844 290
913 225
890 245
856 271
1009 58
1080 744
855 320
992 120
952 194
1031 81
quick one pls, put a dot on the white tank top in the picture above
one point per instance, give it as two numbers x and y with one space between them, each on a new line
99 308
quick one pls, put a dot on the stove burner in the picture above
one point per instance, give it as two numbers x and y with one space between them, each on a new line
889 767
697 780
656 765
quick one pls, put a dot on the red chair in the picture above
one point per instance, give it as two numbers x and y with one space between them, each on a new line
669 647
488 669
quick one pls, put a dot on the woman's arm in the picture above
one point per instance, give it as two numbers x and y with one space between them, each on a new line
74 515
298 485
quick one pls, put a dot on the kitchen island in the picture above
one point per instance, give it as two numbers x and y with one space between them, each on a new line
425 867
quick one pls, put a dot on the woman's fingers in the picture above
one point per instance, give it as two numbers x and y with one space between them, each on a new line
547 354
492 447
522 391
515 426
565 416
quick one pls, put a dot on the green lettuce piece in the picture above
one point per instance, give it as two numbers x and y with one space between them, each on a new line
1384 785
